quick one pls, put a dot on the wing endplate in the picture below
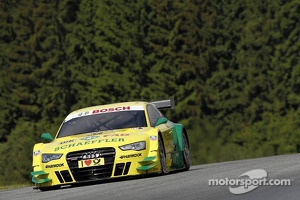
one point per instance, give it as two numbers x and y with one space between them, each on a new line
165 104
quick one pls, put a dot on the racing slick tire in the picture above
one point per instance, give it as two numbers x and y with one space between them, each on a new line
162 155
186 153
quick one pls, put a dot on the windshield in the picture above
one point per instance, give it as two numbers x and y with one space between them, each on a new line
103 122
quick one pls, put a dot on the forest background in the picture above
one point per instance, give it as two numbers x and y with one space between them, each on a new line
232 66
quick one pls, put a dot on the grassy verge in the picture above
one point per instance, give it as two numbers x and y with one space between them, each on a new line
5 187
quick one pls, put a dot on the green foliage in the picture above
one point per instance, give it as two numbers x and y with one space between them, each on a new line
17 154
233 67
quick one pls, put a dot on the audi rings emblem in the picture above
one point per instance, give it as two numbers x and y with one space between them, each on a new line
91 155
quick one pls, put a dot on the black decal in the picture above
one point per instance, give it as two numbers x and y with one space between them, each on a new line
96 161
131 155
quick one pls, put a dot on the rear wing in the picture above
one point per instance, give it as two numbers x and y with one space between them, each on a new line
164 104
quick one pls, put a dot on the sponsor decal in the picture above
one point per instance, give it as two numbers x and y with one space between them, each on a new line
116 135
103 132
104 110
153 137
83 113
91 162
111 109
89 138
131 155
88 142
108 134
36 153
67 141
97 133
55 165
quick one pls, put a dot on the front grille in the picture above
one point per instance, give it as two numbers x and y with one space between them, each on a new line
95 172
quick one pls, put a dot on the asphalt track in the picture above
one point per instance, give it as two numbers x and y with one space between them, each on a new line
188 185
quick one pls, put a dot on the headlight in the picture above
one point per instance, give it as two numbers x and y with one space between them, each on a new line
137 146
48 157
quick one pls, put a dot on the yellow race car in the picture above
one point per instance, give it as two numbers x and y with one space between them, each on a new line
111 141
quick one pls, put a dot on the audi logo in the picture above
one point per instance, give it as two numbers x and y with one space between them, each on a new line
92 154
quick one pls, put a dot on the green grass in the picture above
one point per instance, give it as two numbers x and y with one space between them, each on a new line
5 187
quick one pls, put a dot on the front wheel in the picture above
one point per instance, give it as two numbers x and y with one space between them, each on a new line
162 155
186 153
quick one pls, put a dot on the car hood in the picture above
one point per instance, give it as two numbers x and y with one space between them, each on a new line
112 138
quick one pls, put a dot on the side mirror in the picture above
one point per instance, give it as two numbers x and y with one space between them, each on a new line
47 137
160 121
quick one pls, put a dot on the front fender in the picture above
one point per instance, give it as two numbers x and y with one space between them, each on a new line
37 155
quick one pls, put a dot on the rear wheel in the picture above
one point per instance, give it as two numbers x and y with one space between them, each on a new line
162 155
186 152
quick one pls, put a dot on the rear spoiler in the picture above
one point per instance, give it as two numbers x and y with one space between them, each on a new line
164 104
